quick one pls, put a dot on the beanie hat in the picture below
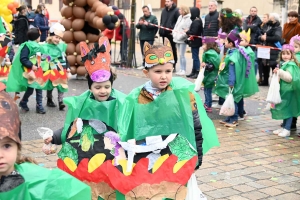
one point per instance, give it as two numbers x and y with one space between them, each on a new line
10 125
33 34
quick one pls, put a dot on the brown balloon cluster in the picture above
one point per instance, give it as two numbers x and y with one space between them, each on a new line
82 20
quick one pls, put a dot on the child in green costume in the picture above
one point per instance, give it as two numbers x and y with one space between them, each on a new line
289 75
211 62
20 177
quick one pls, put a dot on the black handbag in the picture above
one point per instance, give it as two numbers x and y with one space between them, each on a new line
209 67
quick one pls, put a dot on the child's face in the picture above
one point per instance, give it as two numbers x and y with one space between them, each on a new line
8 156
297 47
204 46
286 56
228 44
38 40
244 43
160 75
101 91
55 39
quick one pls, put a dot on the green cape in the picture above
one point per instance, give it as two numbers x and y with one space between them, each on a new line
16 82
239 90
85 107
289 92
46 184
169 113
250 84
298 56
211 56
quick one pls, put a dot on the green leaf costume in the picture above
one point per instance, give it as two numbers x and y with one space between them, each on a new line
298 56
169 113
211 56
42 183
244 87
289 92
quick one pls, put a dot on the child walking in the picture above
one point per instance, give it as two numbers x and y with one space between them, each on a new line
289 75
211 62
20 177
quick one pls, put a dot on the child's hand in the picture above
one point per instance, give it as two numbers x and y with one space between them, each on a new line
275 70
48 140
34 68
203 64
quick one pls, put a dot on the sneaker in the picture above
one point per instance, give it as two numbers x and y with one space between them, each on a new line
209 110
61 106
205 106
181 73
50 103
241 118
40 110
245 113
233 124
216 105
276 132
140 68
24 106
177 73
224 121
284 133
215 97
293 128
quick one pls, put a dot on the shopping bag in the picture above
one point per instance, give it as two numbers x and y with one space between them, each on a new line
273 96
199 80
193 191
46 133
228 108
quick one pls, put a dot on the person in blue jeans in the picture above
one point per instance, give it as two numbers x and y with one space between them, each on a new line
196 29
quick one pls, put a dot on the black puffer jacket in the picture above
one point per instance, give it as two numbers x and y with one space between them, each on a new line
168 19
211 26
21 28
274 33
254 26
196 27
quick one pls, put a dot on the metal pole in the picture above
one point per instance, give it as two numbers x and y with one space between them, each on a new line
131 60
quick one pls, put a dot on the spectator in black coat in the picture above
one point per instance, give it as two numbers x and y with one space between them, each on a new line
169 16
21 26
195 43
211 25
253 23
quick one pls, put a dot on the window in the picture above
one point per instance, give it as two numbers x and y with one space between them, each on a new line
162 3
124 4
48 1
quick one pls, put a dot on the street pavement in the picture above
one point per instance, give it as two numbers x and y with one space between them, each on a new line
251 162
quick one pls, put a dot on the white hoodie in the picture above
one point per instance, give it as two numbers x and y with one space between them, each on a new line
183 23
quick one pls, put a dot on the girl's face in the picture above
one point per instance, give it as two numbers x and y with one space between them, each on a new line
297 47
101 91
160 75
204 47
292 18
55 39
8 156
286 56
265 19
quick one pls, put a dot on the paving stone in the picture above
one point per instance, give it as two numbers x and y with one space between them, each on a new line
221 193
285 188
237 197
271 191
287 196
254 195
267 183
243 188
205 187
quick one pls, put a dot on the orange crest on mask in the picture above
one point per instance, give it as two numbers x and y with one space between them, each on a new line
97 59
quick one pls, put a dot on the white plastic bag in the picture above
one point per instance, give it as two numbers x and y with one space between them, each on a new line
199 79
46 133
273 96
228 108
193 191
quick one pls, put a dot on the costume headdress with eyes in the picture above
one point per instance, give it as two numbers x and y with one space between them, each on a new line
158 55
97 59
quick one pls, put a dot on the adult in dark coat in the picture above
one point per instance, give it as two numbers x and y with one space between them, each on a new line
21 26
41 22
169 16
211 25
269 38
196 29
253 23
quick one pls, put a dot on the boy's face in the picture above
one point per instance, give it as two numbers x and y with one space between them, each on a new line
244 43
228 44
38 40
160 75
8 156
296 47
101 91
55 39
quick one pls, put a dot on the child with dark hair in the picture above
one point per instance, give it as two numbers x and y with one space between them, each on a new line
20 177
229 20
211 62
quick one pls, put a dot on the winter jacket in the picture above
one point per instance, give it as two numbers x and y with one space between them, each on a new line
147 32
254 25
24 57
119 30
31 16
211 26
289 30
168 19
183 23
145 97
196 28
274 34
21 28
41 22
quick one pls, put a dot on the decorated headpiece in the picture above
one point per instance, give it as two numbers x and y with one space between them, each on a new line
57 29
226 14
10 125
221 35
288 47
294 39
246 35
158 55
234 36
206 40
97 59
